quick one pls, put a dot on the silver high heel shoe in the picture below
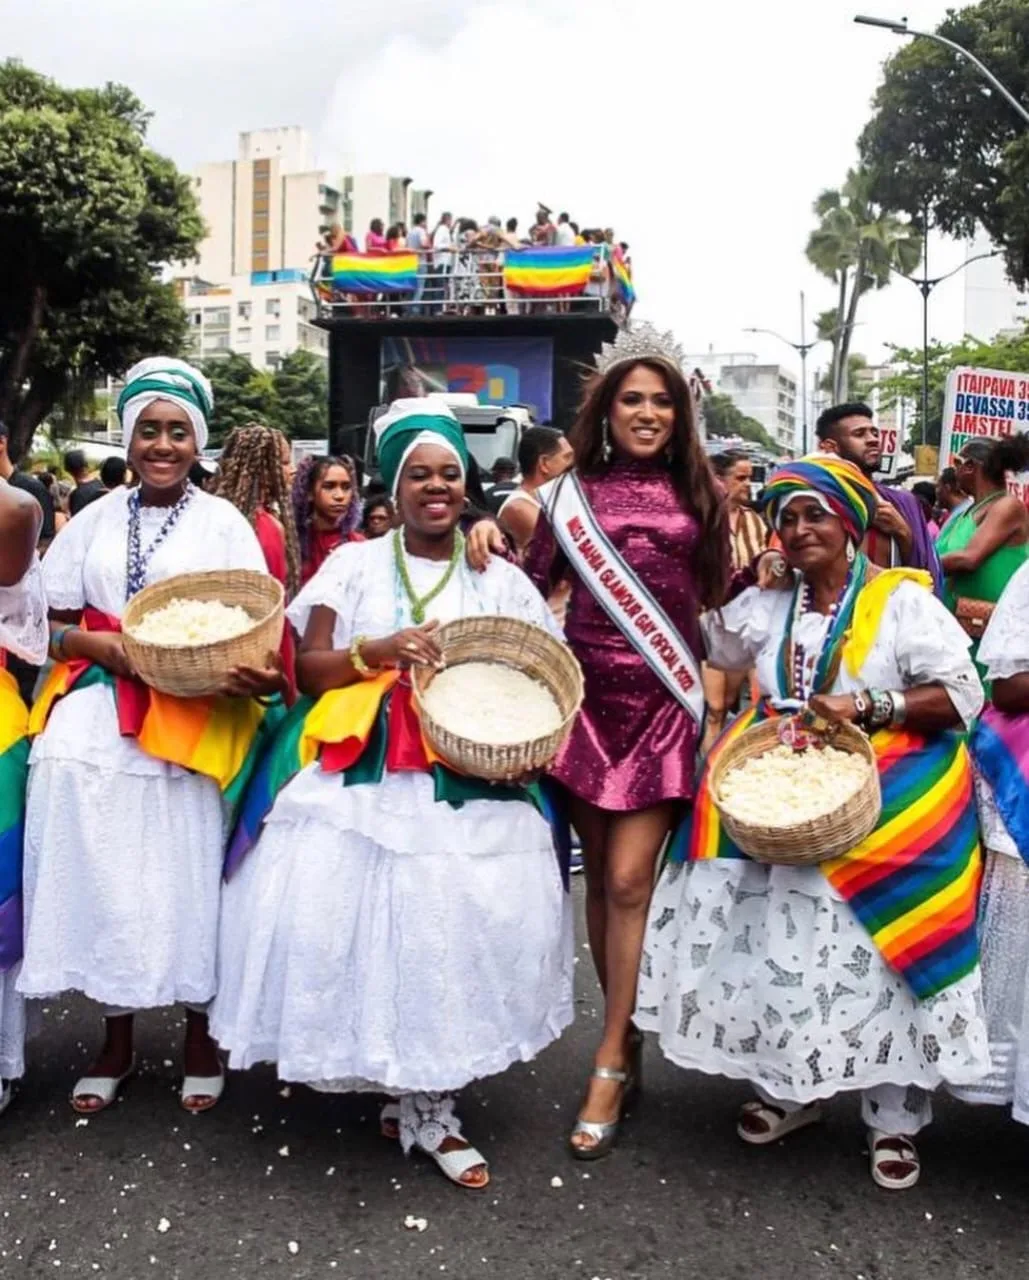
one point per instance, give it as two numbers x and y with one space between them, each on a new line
605 1135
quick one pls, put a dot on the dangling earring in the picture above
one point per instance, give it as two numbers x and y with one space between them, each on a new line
851 553
605 448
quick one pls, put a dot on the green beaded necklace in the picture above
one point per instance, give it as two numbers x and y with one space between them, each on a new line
419 603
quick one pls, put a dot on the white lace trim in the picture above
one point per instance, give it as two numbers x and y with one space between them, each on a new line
1004 649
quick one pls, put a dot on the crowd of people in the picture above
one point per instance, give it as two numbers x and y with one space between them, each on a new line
461 261
321 892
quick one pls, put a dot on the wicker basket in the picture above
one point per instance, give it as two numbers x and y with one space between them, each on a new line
801 843
526 648
195 671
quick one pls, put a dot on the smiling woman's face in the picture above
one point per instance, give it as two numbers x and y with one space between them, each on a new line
642 414
163 446
811 537
431 493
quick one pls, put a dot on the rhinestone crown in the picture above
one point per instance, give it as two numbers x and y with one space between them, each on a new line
641 342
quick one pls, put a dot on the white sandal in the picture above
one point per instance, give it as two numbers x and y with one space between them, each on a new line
6 1094
210 1088
456 1163
892 1149
778 1122
431 1124
104 1088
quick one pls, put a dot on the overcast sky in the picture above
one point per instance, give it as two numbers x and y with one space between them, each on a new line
702 132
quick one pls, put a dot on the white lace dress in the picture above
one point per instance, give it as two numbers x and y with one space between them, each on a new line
23 631
376 939
1004 899
123 852
765 973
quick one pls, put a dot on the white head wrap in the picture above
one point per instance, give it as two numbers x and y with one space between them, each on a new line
411 422
165 378
803 493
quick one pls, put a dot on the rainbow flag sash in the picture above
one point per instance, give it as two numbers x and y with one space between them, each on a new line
14 772
375 272
1000 748
362 732
550 271
221 738
914 881
623 286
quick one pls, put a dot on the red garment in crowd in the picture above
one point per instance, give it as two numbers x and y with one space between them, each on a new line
323 543
273 543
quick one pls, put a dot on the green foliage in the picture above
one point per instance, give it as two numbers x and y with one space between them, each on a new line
858 244
855 364
1003 353
295 398
302 388
88 216
940 139
723 417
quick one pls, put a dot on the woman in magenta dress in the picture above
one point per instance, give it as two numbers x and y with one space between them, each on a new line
326 509
646 490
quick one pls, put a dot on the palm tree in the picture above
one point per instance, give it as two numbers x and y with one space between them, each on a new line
857 244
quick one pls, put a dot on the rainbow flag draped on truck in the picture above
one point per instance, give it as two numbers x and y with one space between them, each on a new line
550 271
375 272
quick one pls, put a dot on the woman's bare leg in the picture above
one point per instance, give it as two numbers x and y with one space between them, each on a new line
633 844
592 825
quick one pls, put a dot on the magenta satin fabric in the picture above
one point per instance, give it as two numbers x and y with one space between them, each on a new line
633 745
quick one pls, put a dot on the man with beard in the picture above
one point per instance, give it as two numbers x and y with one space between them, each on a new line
899 535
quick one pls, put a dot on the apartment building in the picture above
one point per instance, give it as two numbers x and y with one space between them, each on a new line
263 316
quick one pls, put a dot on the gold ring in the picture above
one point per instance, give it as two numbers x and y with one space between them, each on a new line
411 647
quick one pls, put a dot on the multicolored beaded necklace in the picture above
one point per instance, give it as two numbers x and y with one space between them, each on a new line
138 560
792 662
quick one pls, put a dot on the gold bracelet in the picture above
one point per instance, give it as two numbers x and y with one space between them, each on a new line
360 666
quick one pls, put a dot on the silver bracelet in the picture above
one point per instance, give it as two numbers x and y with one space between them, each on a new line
882 708
900 707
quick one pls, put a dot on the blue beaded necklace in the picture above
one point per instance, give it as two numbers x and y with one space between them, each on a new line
138 560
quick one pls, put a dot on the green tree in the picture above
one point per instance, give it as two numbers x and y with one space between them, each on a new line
88 215
242 394
857 244
940 141
302 392
1011 352
856 363
723 417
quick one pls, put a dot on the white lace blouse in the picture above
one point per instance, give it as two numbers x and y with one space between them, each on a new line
1004 650
23 626
918 642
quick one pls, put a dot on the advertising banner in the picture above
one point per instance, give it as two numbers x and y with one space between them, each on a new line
497 371
984 404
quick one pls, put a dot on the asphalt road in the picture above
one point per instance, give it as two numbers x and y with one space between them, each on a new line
296 1184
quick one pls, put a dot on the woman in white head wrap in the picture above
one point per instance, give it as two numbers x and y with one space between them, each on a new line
123 850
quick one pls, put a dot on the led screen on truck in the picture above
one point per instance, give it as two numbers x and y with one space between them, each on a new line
498 371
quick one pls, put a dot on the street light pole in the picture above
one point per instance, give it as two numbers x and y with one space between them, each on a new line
803 349
900 27
925 285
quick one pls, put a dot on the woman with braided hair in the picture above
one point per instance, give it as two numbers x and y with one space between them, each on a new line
327 509
252 475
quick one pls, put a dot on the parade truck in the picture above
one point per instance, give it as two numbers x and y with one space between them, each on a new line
510 360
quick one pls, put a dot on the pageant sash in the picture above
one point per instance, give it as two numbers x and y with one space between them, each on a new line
624 598
913 882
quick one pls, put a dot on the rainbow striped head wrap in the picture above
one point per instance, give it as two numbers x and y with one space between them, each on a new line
406 424
839 486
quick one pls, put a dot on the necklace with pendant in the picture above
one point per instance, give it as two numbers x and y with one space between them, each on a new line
420 603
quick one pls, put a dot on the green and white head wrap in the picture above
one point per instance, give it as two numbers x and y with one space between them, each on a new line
165 378
406 424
